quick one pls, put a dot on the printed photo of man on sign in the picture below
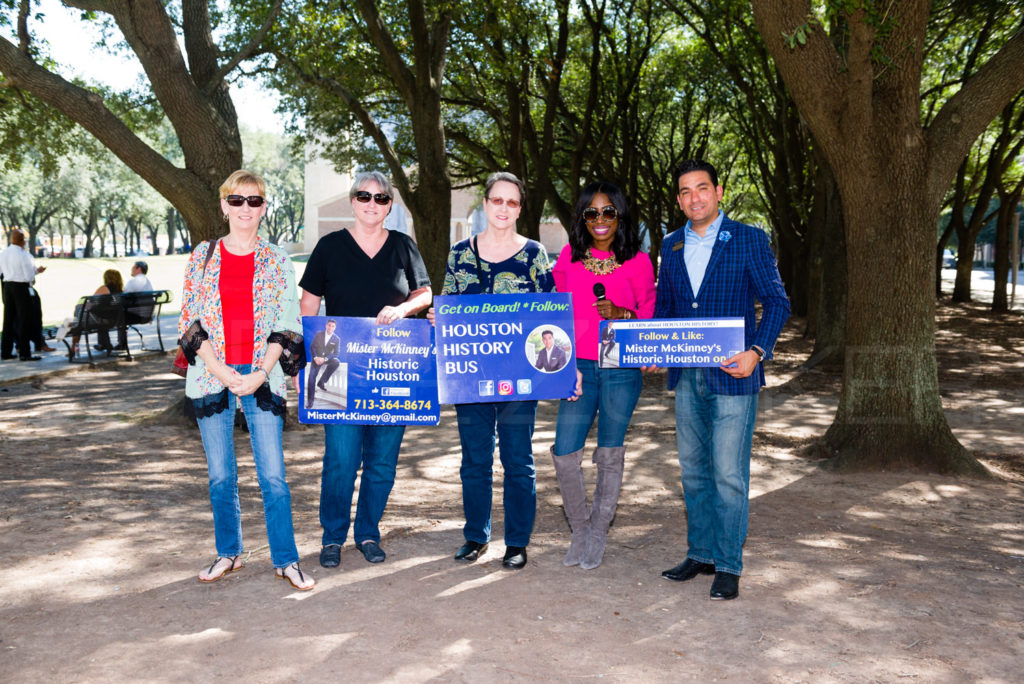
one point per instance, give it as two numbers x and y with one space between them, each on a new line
507 347
549 348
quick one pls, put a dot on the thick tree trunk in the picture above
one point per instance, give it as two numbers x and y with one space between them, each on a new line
172 228
431 214
1005 223
826 320
940 250
794 267
964 266
865 114
890 413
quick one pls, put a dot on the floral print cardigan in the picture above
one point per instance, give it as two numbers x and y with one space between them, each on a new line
276 318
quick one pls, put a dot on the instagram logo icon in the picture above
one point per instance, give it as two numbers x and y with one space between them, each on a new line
504 387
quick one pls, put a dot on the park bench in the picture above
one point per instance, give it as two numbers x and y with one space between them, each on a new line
116 312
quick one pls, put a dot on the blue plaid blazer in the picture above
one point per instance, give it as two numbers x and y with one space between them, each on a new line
742 268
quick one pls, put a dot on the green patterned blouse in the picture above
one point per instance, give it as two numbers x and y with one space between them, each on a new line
528 270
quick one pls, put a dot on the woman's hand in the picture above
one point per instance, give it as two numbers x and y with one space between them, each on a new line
227 375
390 314
578 390
608 311
249 383
430 315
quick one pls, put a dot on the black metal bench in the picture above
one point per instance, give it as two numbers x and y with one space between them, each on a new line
96 313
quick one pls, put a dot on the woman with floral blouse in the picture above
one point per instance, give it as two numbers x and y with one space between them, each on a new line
240 331
498 261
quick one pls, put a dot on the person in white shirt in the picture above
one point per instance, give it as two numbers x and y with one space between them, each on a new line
18 269
139 282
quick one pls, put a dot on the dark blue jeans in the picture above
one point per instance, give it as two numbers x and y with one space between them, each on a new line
609 395
513 422
375 448
714 434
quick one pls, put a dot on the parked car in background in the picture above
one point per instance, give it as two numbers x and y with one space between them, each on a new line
948 259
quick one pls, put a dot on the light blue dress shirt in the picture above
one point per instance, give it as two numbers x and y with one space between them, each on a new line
697 251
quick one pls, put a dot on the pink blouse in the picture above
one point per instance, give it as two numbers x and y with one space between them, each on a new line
630 286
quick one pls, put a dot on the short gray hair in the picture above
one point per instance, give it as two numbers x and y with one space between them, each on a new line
508 178
142 266
364 177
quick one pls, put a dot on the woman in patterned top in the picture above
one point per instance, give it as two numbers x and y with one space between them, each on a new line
239 318
498 261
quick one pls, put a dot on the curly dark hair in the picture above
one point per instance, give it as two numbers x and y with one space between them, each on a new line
625 244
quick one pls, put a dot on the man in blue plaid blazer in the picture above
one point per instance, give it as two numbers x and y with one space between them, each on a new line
716 267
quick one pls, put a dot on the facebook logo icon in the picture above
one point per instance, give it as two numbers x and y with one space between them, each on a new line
486 388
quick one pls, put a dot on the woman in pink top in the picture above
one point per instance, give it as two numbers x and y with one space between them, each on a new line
609 279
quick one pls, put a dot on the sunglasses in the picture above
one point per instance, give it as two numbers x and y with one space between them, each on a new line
380 198
591 214
498 201
238 200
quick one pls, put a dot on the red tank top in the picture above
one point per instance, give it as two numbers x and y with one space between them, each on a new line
236 300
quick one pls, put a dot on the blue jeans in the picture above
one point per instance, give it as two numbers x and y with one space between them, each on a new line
265 436
713 433
513 422
346 447
610 395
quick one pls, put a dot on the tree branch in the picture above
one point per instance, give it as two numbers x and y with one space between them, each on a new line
967 113
24 38
369 124
405 81
248 51
88 110
825 88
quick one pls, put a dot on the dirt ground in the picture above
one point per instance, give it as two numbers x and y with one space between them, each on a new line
104 522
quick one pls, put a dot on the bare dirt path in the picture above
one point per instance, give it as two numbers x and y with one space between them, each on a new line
104 523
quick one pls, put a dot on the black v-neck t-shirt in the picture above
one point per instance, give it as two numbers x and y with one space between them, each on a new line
352 284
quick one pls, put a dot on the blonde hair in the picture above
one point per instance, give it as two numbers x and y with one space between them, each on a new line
238 179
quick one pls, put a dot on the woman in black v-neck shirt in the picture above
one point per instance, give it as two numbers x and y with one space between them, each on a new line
355 284
368 272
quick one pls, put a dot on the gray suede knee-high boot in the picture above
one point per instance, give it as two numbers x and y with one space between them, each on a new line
574 500
610 462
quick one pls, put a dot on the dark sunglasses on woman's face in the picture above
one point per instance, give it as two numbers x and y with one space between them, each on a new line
590 214
238 200
380 198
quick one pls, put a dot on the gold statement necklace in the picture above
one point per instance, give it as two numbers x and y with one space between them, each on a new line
600 266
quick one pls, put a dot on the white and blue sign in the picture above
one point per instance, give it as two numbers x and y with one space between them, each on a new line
509 347
670 342
361 373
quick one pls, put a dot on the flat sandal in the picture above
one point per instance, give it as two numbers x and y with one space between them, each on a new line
280 574
230 568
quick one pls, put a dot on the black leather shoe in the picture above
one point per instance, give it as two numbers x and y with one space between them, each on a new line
470 551
31 358
372 552
8 357
330 556
725 587
687 570
515 557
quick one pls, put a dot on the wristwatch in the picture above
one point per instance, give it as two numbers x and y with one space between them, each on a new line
757 350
